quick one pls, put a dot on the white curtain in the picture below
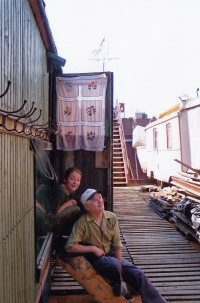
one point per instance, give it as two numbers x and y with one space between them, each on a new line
81 112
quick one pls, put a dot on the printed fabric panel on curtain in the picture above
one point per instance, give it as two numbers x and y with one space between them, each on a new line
81 112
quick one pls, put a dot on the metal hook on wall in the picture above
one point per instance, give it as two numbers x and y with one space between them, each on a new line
51 130
27 128
36 118
58 133
16 111
30 113
41 124
8 85
13 115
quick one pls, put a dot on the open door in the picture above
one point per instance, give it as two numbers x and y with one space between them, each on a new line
95 165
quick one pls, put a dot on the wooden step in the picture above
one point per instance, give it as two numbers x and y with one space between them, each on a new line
120 180
116 174
118 167
119 160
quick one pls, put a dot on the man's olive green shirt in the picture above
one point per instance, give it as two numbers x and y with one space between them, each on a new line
86 231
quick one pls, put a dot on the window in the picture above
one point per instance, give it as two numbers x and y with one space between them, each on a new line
155 138
169 135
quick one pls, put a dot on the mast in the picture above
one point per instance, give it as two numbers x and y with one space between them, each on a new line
98 50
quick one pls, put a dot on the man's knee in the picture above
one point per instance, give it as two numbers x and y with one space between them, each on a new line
109 266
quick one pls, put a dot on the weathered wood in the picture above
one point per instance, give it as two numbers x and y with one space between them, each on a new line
72 299
80 299
82 271
167 258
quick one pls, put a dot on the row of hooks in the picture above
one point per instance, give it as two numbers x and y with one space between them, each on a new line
27 128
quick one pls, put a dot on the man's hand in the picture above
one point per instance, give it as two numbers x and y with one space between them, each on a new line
79 248
98 251
118 254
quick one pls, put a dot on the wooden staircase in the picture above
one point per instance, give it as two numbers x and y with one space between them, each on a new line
119 156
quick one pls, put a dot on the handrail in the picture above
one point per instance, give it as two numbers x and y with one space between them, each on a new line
127 165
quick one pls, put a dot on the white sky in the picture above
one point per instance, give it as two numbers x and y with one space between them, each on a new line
156 41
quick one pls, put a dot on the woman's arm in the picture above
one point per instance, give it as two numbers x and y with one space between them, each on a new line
38 205
69 203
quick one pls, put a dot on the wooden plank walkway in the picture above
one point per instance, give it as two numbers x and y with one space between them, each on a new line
166 257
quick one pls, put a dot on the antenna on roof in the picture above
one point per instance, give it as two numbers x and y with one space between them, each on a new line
98 50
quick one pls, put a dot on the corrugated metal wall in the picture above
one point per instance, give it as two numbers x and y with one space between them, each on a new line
23 62
23 59
17 249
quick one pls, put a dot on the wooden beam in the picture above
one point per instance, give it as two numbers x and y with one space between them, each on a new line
83 272
40 23
80 299
72 299
186 165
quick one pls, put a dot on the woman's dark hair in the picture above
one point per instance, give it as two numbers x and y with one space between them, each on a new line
70 170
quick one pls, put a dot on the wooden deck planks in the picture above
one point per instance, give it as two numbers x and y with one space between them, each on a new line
166 257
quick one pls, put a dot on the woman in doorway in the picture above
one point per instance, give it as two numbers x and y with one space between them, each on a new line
65 205
72 180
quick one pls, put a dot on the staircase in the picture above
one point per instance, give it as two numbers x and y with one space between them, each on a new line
119 155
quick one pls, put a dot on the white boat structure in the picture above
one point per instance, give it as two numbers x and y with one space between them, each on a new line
169 148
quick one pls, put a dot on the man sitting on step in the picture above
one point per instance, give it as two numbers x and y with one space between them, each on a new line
96 235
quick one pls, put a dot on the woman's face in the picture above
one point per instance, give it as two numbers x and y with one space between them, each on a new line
72 182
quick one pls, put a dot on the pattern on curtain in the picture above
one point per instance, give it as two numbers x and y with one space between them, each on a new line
81 112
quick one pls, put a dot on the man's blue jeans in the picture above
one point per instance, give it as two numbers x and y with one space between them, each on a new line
116 271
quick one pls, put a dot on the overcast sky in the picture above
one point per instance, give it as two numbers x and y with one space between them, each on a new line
155 43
